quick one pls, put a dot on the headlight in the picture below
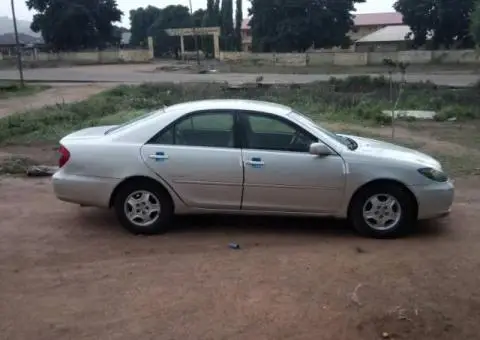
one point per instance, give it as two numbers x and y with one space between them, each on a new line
434 175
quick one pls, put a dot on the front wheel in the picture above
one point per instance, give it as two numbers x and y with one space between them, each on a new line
143 208
383 211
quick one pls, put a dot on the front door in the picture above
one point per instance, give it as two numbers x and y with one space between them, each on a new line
281 174
197 156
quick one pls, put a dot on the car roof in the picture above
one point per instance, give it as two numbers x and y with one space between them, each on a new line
230 104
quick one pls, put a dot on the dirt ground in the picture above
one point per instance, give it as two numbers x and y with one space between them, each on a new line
57 94
71 272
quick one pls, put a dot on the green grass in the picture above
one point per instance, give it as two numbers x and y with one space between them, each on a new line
352 100
8 90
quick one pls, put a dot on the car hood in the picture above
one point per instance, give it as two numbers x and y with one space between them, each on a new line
380 149
89 133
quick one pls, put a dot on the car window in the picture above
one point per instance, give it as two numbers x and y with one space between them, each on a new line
267 132
263 124
200 129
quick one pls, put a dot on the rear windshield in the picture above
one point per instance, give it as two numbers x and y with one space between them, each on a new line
130 122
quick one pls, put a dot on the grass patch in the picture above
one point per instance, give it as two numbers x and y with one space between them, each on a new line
353 100
8 90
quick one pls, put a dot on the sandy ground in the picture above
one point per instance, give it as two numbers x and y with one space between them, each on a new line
72 273
58 94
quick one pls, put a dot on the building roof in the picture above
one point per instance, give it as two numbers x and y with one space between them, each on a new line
387 34
24 39
367 19
377 19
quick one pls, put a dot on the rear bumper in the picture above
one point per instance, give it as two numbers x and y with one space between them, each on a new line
434 200
90 191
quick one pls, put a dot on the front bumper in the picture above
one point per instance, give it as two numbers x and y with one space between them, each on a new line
434 200
84 190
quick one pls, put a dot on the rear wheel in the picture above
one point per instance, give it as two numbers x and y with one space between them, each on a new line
143 207
383 211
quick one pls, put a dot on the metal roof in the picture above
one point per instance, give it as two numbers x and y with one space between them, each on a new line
377 19
367 19
387 34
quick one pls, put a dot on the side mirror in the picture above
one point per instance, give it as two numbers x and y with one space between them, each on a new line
320 149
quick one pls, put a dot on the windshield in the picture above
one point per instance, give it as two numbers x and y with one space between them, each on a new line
309 122
132 121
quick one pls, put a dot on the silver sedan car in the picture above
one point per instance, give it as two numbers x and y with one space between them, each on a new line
247 157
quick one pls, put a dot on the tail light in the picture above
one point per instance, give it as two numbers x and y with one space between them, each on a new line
64 156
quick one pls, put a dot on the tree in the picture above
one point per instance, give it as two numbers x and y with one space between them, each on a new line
118 32
80 24
475 24
286 26
198 17
141 20
238 25
174 16
211 19
447 22
210 13
216 10
226 26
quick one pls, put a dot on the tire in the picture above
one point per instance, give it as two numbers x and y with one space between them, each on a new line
137 191
401 215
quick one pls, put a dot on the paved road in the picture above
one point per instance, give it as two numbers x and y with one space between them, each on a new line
143 73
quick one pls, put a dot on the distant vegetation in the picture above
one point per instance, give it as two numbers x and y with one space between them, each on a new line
355 99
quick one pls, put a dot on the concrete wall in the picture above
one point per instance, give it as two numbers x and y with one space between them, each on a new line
352 58
95 57
456 57
89 57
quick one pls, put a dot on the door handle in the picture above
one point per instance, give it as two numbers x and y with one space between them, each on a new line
255 162
159 156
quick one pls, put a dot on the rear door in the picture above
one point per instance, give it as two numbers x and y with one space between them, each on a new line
199 157
281 174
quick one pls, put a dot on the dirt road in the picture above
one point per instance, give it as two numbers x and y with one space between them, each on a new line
58 94
71 273
144 73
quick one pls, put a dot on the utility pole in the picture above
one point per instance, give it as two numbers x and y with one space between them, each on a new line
17 46
194 32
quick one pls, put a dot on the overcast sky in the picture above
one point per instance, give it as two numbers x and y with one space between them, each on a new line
126 5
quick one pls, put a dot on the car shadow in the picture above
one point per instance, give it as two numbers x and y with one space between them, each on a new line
101 221
261 225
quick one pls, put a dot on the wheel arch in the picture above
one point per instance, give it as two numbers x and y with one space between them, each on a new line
143 179
384 181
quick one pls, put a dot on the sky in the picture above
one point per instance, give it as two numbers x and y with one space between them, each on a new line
22 12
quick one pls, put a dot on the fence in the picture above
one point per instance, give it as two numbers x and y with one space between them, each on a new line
353 58
96 57
88 57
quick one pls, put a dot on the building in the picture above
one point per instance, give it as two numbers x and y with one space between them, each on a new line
246 36
364 24
387 39
27 42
